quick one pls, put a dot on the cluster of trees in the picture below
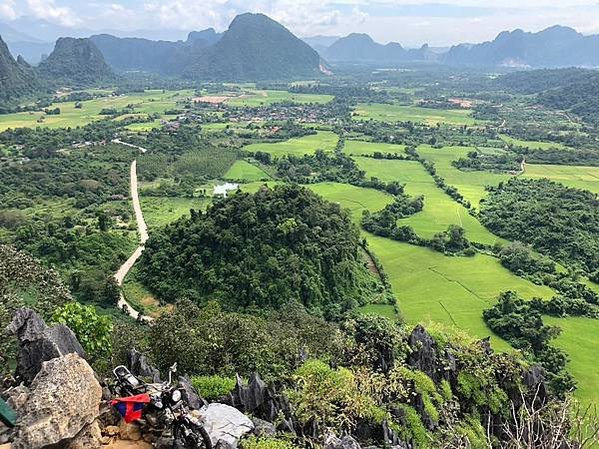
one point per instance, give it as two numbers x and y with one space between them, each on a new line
505 162
262 250
519 321
556 220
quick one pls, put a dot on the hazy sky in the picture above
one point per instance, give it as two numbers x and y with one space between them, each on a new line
410 22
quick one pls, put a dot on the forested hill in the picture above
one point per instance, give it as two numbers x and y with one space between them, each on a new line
255 47
75 62
16 79
262 250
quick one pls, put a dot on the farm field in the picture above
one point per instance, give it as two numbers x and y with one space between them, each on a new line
243 170
148 102
439 209
160 211
450 290
471 184
267 97
322 140
580 177
579 339
531 144
355 199
398 113
359 148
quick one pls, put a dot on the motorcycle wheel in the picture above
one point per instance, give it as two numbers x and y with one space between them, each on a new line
199 438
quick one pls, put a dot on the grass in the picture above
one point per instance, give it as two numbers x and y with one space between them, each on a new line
359 148
244 171
386 310
258 98
148 102
439 209
355 199
140 298
580 177
450 290
471 184
160 211
323 140
579 340
398 113
532 144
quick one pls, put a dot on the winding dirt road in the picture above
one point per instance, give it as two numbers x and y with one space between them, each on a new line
142 229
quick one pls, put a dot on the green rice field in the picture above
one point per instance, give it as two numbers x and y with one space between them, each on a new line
398 113
579 177
148 102
160 211
244 171
439 209
267 97
360 148
450 290
531 144
322 140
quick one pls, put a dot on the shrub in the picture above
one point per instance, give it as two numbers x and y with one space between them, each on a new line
267 443
213 387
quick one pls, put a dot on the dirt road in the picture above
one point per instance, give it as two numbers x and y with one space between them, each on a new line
142 229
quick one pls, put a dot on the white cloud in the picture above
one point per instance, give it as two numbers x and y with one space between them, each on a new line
7 10
50 11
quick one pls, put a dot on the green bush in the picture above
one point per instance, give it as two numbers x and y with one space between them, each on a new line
267 443
213 387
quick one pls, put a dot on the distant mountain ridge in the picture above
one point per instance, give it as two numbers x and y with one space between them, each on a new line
556 46
254 47
361 48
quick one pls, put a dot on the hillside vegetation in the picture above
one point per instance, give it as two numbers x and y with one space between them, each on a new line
262 250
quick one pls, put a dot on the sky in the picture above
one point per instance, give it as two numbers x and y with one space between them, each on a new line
410 22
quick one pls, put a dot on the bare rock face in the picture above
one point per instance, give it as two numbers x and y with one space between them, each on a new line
140 366
225 424
39 343
62 407
424 352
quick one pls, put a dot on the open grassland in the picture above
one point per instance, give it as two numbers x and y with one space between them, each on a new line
160 211
580 177
322 140
244 171
360 148
267 97
398 113
471 184
531 144
355 199
148 102
253 187
386 310
579 338
451 290
439 209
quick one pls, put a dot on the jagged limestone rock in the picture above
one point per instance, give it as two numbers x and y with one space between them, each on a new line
140 366
424 353
225 423
63 403
39 343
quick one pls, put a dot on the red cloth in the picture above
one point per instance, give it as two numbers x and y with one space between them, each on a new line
131 407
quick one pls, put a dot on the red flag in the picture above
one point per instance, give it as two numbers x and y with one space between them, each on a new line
131 407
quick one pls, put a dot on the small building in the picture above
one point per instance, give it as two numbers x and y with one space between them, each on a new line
223 189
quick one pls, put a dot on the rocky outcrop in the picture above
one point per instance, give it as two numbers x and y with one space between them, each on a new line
262 401
139 365
61 407
424 352
38 343
225 424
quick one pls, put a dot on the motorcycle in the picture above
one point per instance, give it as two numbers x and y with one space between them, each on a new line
160 406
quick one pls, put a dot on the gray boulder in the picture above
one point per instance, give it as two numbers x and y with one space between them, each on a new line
61 408
347 442
190 394
225 424
39 343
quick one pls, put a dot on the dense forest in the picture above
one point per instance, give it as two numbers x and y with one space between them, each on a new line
262 250
558 221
